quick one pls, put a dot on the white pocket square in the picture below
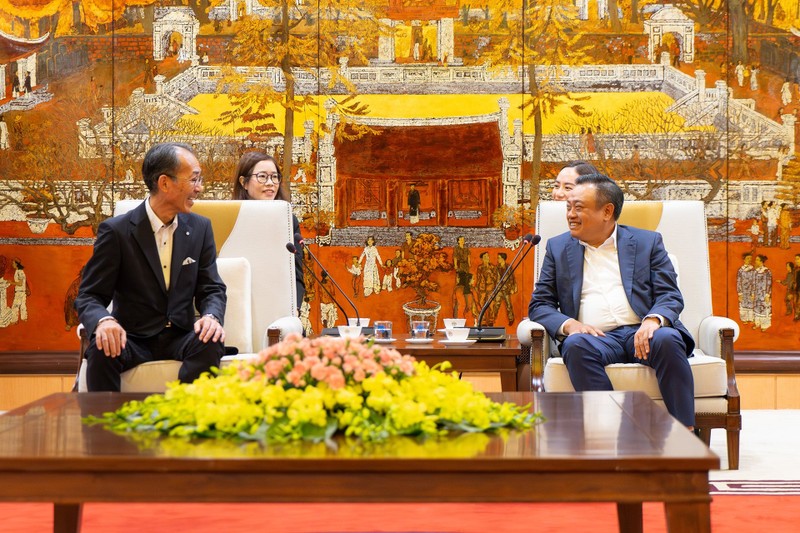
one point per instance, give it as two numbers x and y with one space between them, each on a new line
187 261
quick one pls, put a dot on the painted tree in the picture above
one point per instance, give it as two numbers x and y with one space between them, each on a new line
306 41
788 189
643 147
706 13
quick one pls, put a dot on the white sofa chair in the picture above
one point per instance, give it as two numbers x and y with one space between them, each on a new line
683 227
258 271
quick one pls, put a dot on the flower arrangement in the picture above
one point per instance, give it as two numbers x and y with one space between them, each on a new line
310 389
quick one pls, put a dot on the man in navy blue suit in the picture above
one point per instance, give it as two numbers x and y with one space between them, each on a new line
609 294
155 264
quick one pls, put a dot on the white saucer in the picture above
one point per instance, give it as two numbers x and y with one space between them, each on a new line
419 341
459 343
384 341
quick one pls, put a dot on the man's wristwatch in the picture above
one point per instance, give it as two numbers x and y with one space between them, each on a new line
211 316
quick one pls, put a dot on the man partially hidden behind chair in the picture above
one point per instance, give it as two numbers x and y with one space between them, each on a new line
157 263
609 294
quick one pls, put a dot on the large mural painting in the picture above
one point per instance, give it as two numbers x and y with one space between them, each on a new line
416 138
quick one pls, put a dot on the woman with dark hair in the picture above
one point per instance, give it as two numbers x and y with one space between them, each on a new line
259 178
565 181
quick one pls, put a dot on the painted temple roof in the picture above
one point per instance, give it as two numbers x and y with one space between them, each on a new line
13 47
464 150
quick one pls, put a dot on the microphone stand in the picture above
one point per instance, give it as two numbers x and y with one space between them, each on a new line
333 331
480 333
291 248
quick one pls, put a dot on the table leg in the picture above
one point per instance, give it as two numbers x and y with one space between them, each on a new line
508 381
629 516
695 517
67 517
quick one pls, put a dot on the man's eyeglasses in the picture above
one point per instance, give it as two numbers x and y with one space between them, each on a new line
264 178
194 181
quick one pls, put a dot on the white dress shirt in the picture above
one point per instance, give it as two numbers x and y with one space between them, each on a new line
163 234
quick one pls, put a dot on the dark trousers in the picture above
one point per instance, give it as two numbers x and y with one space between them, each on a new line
586 357
102 372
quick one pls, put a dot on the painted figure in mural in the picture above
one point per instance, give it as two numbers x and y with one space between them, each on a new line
153 314
508 289
328 312
755 234
19 307
591 147
413 204
745 288
589 312
797 287
739 71
258 177
388 276
485 281
28 86
462 293
3 133
305 316
790 282
15 87
785 226
70 313
754 69
355 272
770 212
19 134
762 306
565 180
786 93
407 248
370 260
5 310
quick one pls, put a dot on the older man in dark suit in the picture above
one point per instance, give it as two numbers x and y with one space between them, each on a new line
155 264
609 294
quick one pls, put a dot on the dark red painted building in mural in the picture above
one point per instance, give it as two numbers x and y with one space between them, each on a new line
456 171
422 9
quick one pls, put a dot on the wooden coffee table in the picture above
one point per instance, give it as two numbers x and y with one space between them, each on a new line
595 447
496 357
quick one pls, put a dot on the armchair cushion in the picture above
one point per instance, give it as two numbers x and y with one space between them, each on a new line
710 378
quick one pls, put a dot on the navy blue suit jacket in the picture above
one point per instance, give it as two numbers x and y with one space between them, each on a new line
647 275
125 269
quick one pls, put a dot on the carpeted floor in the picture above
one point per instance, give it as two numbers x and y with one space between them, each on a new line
768 458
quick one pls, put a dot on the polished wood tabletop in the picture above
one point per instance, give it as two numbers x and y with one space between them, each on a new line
599 446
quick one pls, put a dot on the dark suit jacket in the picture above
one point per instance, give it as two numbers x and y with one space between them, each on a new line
647 275
125 268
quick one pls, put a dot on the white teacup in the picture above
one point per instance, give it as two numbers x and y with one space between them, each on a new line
363 322
349 332
456 334
454 322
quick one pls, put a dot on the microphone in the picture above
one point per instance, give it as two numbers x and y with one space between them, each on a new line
291 247
331 331
498 333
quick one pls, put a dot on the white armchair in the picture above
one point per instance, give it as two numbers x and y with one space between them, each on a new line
683 227
258 271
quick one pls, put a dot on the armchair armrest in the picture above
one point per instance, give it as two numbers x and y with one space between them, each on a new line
716 337
534 340
708 337
285 326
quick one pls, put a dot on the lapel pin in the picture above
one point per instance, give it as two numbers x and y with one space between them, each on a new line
187 233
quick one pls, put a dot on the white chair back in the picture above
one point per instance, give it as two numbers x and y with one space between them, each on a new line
682 224
257 231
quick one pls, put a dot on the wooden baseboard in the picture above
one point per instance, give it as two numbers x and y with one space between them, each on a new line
749 362
39 362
